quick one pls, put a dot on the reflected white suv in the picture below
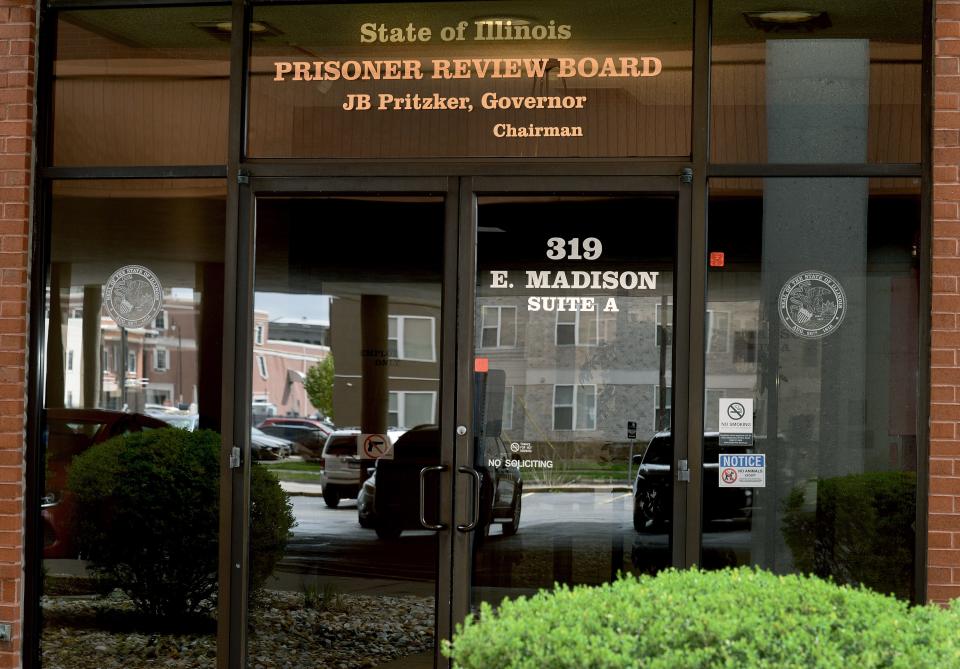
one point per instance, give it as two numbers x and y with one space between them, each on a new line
342 472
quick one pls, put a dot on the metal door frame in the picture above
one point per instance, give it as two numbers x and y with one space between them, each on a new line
460 194
238 376
687 376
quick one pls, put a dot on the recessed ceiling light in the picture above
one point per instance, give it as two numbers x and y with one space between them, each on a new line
786 16
788 20
222 29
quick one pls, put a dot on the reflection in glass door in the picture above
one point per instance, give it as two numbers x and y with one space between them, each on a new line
346 404
573 378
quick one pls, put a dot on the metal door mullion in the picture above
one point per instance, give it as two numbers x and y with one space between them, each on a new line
303 186
467 269
683 325
448 415
235 397
694 218
572 185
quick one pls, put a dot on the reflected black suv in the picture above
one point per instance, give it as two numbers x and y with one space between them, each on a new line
390 501
652 498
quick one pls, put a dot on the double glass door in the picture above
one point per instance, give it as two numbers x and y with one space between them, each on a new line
470 389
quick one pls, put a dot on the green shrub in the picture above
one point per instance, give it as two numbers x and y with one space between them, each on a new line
147 518
734 618
271 518
858 530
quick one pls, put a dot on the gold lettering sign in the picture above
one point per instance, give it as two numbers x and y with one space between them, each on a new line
475 87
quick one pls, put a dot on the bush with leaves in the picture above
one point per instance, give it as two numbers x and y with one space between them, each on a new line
734 618
856 529
147 518
271 518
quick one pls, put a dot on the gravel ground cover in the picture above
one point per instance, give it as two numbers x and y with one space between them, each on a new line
337 632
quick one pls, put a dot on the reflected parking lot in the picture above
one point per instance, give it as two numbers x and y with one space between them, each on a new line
565 537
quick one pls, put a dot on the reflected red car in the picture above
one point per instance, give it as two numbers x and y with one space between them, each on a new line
70 432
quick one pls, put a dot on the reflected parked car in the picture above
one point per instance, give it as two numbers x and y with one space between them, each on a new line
366 500
342 472
389 501
265 447
652 488
189 422
306 440
297 421
70 432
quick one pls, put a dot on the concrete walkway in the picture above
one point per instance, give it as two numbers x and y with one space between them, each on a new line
314 490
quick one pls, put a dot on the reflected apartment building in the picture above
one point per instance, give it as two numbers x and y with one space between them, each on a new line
155 368
284 349
136 369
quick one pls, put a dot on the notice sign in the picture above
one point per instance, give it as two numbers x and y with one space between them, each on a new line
736 421
743 471
374 447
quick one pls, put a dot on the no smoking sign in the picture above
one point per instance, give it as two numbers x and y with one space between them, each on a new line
736 421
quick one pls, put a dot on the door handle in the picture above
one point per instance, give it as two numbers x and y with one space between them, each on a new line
423 517
471 526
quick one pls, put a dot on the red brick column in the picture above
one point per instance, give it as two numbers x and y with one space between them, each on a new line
17 39
943 556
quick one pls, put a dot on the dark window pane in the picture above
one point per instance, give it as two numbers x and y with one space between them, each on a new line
841 85
508 326
141 86
566 334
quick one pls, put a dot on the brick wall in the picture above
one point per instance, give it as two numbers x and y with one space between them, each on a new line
943 559
17 32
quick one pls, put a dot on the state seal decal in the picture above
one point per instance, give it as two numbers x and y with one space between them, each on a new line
133 296
812 304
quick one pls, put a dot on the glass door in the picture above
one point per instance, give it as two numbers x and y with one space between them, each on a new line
568 466
350 334
470 390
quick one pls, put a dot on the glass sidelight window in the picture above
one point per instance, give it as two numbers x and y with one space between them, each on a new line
821 283
130 420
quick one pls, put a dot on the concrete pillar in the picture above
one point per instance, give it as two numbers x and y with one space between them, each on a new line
56 334
375 358
205 380
91 358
